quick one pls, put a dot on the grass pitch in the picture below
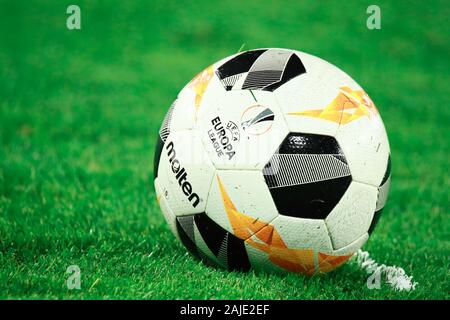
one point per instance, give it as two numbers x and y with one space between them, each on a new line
79 111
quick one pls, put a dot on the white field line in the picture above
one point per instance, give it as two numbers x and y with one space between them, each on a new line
394 276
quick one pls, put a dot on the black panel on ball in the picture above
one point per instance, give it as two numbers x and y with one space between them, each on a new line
158 150
377 215
375 220
387 173
265 69
306 143
239 64
220 240
293 68
185 232
229 250
211 232
307 176
310 200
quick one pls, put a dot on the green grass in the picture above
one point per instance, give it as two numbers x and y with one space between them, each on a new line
79 111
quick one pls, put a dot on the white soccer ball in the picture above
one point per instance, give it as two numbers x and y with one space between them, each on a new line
272 159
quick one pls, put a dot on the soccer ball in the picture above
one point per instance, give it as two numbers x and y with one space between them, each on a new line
272 159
